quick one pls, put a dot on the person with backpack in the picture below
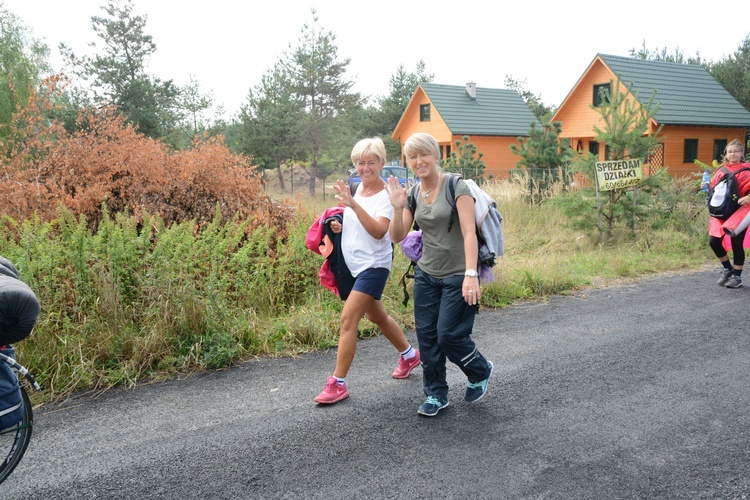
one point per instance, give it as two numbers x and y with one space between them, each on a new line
719 226
367 252
446 277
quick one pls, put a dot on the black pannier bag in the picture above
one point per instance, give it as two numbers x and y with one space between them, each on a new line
19 307
11 404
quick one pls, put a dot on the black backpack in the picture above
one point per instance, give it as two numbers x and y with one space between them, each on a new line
723 198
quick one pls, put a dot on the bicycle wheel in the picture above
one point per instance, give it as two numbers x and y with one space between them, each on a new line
14 440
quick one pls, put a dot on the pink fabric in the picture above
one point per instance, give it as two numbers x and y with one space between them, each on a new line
328 278
314 236
326 248
732 222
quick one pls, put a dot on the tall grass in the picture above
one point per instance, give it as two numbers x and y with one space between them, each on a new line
141 301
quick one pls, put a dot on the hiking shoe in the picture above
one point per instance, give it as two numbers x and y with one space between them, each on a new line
734 281
432 406
405 366
476 390
333 393
725 274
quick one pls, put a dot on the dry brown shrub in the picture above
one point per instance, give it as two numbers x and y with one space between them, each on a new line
108 161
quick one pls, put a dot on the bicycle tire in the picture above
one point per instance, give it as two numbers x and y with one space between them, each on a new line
15 440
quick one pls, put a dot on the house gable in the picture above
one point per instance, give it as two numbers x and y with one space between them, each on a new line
411 119
575 113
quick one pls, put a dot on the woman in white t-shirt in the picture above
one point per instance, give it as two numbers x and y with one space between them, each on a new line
367 251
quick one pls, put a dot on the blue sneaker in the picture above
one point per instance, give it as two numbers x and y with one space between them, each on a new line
476 390
432 406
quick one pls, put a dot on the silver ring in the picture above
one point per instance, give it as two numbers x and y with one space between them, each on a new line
471 291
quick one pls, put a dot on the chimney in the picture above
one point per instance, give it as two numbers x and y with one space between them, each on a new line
471 89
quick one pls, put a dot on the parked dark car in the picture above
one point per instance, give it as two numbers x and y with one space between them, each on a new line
404 176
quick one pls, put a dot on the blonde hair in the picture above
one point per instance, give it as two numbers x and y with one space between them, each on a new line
422 143
365 147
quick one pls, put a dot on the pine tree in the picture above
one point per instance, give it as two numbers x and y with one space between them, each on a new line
626 133
118 73
318 77
467 162
543 156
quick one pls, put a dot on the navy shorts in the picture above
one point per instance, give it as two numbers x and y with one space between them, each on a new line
372 281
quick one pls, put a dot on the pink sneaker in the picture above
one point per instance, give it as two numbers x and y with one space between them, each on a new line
333 393
405 366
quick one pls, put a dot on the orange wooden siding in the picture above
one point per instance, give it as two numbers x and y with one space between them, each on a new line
498 157
674 146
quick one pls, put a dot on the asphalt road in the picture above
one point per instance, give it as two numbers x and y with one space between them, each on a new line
635 391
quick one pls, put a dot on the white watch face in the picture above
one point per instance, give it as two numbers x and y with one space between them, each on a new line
472 273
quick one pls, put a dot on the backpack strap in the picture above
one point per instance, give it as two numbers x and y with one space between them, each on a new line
406 275
450 195
728 174
411 203
734 174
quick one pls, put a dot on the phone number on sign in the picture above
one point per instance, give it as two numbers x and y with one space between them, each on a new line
608 186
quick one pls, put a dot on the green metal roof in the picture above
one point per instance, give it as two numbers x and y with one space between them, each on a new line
688 94
497 112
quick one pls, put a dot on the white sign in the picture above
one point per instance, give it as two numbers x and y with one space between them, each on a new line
618 174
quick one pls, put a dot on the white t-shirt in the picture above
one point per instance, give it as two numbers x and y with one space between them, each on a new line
361 251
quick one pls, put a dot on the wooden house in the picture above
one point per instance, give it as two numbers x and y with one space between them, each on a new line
493 119
699 117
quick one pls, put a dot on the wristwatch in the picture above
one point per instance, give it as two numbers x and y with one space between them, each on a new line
472 273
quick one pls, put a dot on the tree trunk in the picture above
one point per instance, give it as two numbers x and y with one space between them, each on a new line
313 173
281 174
611 217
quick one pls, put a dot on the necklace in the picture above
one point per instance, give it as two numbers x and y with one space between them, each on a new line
425 194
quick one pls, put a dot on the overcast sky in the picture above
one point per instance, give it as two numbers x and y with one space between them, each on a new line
227 45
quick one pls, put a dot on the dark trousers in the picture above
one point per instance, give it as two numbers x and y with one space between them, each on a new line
444 322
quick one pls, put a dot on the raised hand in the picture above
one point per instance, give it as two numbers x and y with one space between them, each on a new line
396 193
344 193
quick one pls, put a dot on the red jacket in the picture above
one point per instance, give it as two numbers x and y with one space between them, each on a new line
317 241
